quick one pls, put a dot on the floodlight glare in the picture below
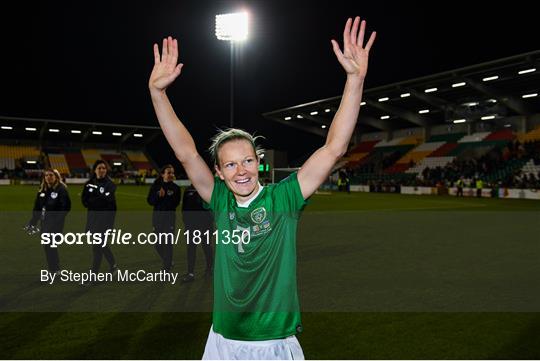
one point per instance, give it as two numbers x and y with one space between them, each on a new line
232 27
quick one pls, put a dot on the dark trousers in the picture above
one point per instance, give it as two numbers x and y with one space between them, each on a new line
164 250
53 261
99 252
207 248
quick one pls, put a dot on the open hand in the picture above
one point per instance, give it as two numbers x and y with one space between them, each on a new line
166 69
354 58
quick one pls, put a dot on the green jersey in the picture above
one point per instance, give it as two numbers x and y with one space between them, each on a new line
255 292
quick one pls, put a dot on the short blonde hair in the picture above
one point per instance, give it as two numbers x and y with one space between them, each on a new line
228 135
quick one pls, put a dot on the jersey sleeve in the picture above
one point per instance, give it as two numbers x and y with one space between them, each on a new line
288 196
218 200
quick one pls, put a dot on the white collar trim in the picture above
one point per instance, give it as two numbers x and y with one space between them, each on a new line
248 202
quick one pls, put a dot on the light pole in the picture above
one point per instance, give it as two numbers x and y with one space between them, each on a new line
233 28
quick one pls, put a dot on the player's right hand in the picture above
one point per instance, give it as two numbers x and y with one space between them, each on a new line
166 69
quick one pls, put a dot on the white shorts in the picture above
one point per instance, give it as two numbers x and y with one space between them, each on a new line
221 348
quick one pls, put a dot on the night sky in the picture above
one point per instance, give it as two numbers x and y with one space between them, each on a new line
90 60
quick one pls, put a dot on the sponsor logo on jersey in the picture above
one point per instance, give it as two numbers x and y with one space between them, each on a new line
54 195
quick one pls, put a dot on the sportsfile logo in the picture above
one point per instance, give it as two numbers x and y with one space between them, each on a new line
119 237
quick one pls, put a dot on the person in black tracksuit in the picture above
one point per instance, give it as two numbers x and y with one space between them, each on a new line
98 197
51 206
164 195
196 217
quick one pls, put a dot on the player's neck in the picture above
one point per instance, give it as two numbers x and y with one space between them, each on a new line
242 200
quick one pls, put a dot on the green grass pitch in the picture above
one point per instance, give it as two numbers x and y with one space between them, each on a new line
380 276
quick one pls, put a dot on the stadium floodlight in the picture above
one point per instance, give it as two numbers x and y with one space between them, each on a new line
232 28
96 132
116 134
299 116
526 71
457 121
31 162
30 129
117 163
54 130
492 100
383 99
532 95
75 131
138 135
457 85
288 118
385 117
328 110
488 117
507 125
423 111
363 103
430 90
405 95
6 127
313 113
323 126
490 78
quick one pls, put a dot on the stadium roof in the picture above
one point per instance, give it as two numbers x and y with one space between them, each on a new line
497 89
51 131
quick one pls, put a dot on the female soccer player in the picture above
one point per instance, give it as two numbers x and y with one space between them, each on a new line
256 312
51 206
164 195
98 197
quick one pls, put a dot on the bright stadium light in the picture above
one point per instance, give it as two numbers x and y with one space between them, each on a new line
53 130
31 162
313 113
457 121
430 90
117 163
116 134
96 132
383 99
405 95
232 28
30 129
363 103
6 127
75 131
288 118
490 78
423 111
323 126
457 85
299 116
138 135
488 117
385 117
328 110
532 95
526 71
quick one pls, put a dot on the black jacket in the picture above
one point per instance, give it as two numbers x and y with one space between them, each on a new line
51 207
163 217
98 197
195 216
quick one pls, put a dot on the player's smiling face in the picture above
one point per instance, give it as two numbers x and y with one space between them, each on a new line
239 168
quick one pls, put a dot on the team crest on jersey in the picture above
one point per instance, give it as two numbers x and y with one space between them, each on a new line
231 215
258 215
101 190
170 192
54 195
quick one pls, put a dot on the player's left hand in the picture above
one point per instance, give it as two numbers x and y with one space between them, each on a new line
354 58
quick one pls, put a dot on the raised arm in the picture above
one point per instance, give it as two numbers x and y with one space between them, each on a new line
165 71
354 59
